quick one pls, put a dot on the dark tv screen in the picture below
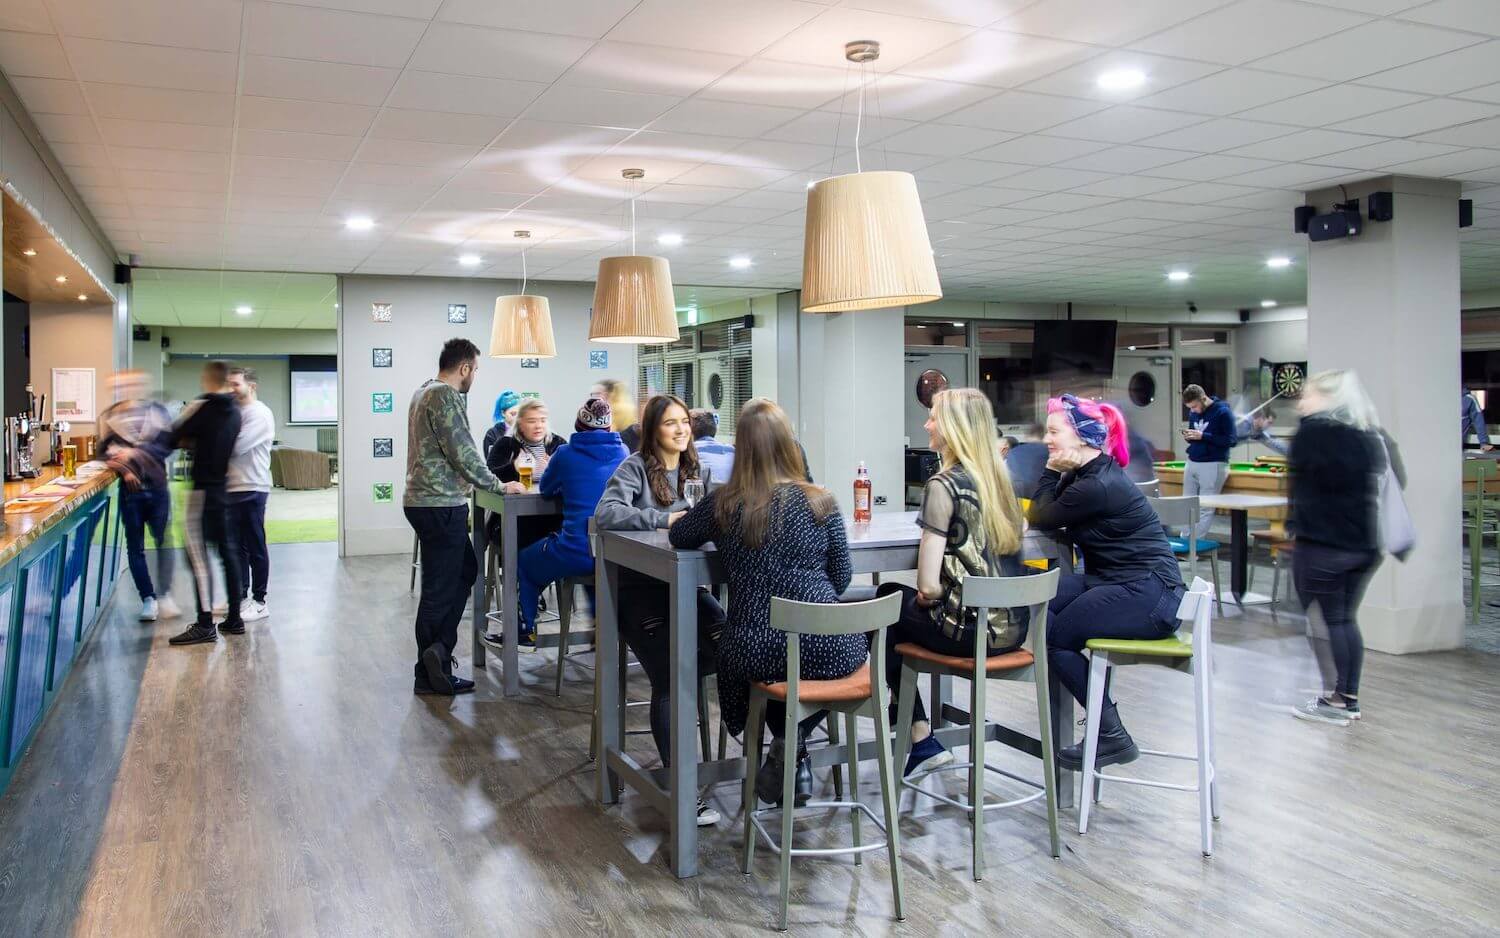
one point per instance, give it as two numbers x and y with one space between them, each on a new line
1073 347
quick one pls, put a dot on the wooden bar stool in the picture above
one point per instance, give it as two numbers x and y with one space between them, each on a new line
983 594
1193 655
862 692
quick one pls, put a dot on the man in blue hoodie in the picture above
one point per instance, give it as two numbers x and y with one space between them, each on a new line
1210 436
576 476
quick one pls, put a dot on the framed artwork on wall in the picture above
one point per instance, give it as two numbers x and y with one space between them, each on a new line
381 357
531 363
598 359
384 492
385 447
382 402
380 312
458 312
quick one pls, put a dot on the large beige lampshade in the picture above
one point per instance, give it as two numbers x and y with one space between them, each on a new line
866 245
633 301
522 328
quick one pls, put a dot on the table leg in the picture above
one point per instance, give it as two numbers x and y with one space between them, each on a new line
607 711
684 743
1476 546
1062 732
477 619
1239 553
509 601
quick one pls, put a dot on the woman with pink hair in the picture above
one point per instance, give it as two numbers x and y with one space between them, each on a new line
1131 587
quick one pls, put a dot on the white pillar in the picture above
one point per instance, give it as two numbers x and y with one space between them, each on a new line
1386 303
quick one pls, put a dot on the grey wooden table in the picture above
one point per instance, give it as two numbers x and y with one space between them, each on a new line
1239 507
510 508
887 544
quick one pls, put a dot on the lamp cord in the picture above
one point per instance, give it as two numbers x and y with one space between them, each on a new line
860 120
632 217
523 271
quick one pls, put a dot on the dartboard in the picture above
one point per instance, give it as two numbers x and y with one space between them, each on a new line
1287 379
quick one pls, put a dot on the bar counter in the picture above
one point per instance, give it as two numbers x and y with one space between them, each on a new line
58 566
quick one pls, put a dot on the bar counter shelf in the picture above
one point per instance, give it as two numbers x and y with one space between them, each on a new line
59 563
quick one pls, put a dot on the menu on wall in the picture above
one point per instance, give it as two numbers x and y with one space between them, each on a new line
73 394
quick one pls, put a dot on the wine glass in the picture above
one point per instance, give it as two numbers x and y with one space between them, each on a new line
692 491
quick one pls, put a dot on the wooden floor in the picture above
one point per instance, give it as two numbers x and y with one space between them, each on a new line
287 783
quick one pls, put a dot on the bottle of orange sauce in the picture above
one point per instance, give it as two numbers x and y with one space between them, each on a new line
862 495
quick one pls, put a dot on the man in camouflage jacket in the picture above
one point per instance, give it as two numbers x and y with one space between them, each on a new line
442 468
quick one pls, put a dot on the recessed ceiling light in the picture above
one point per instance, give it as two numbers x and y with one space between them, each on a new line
1122 79
670 239
61 279
1276 263
83 296
30 252
243 310
739 263
359 223
1177 276
1267 304
469 260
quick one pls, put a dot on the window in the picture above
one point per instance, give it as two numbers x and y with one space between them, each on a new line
1134 338
936 332
709 366
1189 336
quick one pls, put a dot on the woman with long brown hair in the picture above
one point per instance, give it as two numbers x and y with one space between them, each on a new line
647 492
777 535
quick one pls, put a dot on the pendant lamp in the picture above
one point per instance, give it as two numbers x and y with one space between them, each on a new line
523 322
866 244
633 299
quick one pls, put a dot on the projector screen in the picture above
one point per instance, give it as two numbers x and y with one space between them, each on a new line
315 389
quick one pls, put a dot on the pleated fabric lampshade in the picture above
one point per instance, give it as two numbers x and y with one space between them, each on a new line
522 328
866 245
633 301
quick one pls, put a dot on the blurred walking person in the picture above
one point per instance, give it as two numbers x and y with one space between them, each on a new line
209 426
1337 461
248 487
133 442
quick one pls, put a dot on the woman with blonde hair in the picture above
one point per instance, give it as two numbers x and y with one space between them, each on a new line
1337 460
777 535
971 526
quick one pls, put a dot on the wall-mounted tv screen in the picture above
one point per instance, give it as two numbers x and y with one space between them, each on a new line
315 388
1073 347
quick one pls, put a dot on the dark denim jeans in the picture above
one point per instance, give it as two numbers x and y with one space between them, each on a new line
1086 607
247 516
139 510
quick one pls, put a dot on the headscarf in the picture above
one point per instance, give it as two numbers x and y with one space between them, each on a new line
1090 429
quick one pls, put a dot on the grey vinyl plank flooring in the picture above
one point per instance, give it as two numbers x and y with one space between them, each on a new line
287 783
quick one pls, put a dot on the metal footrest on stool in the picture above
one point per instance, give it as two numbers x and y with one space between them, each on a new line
912 783
863 808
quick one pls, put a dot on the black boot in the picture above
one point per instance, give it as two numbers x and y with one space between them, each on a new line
768 779
1115 745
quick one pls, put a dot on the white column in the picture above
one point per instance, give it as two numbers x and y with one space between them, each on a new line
1386 303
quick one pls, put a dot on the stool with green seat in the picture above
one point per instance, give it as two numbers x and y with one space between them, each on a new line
1182 511
1194 655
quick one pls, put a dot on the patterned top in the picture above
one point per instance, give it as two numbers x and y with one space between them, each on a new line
442 463
801 559
950 507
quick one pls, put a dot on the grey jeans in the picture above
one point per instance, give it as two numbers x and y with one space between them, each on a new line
1204 478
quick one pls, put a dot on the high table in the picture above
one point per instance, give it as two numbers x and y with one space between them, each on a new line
510 507
1239 507
887 543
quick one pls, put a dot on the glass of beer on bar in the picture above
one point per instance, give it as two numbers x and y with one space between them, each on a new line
69 460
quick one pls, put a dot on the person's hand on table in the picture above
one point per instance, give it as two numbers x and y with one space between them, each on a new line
672 518
513 488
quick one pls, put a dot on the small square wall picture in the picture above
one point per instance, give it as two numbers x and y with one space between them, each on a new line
382 402
531 363
381 357
380 312
385 447
458 312
598 359
384 492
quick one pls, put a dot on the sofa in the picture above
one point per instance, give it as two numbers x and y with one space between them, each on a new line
300 469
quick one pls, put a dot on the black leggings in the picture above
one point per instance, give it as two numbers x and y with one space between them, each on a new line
917 626
645 614
1335 579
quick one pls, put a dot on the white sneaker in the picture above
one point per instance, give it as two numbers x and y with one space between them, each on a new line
149 609
167 607
708 815
250 610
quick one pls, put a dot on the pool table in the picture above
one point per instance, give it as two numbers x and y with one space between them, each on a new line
1245 478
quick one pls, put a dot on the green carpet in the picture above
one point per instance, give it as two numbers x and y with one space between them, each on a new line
277 532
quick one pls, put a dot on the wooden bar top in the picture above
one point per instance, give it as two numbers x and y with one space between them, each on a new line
23 529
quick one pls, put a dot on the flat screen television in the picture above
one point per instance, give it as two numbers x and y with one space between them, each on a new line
314 389
1073 347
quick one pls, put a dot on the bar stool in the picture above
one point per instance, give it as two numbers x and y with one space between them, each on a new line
1151 488
983 594
1280 546
1193 655
862 692
1182 511
416 562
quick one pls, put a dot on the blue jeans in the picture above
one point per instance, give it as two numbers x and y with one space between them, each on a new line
540 564
1086 607
247 516
139 510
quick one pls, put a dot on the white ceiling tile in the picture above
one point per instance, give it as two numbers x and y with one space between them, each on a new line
151 66
299 185
724 118
284 168
1103 24
127 133
1291 176
1485 133
1305 145
67 128
331 35
1480 16
1063 202
417 153
1383 154
306 116
272 77
599 107
1022 112
50 95
201 24
787 84
186 182
1201 192
1127 187
1212 136
1381 43
589 18
128 102
1230 91
1249 30
903 39
1124 124
295 145
1446 74
1161 73
33 55
436 126
1450 165
27 16
715 25
911 98
782 154
1052 179
1206 168
968 172
468 94
738 177
187 161
496 53
1124 159
998 59
944 139
622 66
1037 150
1318 108
968 12
1422 117
836 129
